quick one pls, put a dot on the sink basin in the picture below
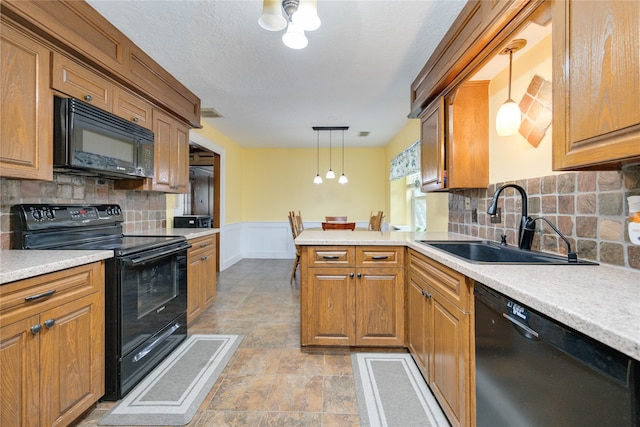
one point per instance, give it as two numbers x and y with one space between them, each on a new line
486 252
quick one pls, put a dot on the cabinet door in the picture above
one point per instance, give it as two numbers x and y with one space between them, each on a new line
171 154
432 146
329 306
71 359
19 382
26 109
133 108
195 293
418 325
180 166
209 274
380 307
449 359
596 83
80 82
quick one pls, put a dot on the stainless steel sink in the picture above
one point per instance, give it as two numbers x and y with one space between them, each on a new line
487 252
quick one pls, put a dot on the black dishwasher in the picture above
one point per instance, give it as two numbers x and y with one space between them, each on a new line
533 371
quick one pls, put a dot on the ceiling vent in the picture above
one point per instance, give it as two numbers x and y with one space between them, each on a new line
210 113
364 133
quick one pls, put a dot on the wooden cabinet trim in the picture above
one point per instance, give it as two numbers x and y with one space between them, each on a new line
320 256
379 256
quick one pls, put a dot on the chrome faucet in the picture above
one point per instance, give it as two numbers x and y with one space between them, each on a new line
526 229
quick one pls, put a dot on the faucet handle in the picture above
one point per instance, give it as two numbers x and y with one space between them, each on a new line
503 239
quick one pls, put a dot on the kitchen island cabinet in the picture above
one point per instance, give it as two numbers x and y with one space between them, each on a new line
52 346
352 296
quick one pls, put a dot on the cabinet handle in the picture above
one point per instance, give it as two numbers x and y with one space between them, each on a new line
330 256
204 258
49 323
88 98
38 296
351 275
35 329
359 275
380 257
204 245
425 293
135 119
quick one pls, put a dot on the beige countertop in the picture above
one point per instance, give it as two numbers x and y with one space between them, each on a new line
602 301
189 233
22 264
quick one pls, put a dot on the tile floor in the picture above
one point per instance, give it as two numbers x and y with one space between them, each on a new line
269 381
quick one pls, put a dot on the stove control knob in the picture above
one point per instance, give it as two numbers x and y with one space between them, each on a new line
37 214
49 214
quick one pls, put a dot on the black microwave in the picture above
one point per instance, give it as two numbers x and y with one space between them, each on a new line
91 141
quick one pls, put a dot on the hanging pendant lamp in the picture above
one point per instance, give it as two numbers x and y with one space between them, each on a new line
343 178
318 178
509 116
330 174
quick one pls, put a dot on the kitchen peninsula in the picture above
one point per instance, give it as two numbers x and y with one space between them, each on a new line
602 301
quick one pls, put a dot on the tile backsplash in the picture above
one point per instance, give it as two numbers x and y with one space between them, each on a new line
589 208
143 210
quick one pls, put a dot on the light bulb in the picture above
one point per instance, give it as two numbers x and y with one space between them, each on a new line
317 179
343 179
271 18
508 119
294 37
330 174
306 17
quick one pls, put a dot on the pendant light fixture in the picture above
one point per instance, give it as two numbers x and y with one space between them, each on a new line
343 178
299 16
330 174
509 116
318 178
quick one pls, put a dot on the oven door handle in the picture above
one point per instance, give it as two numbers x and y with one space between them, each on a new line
132 261
155 343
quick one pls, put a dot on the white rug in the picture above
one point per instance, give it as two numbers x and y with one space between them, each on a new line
172 393
392 392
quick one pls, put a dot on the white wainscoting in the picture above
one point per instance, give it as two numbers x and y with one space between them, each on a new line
263 240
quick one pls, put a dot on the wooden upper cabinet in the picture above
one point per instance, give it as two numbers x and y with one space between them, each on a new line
133 108
455 139
78 81
26 109
432 146
596 84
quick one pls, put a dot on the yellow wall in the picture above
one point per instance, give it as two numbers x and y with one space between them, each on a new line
277 180
512 157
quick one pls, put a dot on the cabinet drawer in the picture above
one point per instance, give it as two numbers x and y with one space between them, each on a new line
201 244
30 296
379 256
82 83
322 256
449 283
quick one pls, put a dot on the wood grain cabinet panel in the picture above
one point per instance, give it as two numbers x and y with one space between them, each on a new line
133 108
596 84
201 276
440 334
352 296
78 81
26 110
52 346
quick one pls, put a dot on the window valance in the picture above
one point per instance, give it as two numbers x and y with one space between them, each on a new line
406 163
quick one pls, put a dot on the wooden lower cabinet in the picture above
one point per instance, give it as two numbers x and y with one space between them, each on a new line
440 335
355 303
52 347
201 276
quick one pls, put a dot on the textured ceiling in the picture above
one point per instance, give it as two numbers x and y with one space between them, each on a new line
356 70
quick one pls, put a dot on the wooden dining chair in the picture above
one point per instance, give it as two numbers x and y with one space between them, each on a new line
339 225
335 218
294 233
375 221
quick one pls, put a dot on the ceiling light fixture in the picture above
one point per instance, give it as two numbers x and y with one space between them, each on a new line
509 116
330 173
300 15
343 178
